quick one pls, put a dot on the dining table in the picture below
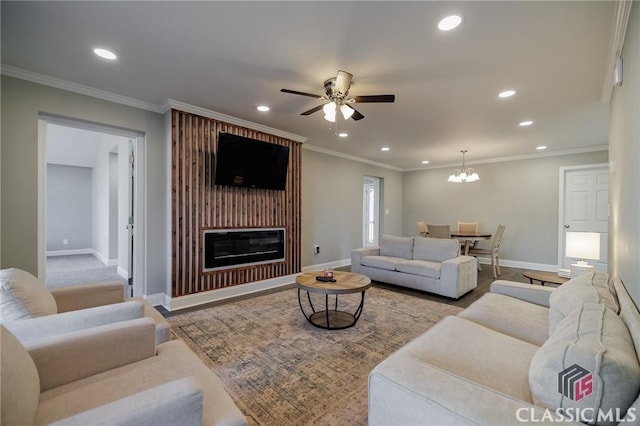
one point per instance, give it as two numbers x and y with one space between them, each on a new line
470 237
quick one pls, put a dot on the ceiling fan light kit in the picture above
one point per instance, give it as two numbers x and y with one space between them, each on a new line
463 174
337 93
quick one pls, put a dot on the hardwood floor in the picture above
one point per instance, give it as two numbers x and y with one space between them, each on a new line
485 278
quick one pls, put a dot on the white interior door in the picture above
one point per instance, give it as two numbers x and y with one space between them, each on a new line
584 206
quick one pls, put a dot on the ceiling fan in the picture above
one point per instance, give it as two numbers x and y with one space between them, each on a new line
337 93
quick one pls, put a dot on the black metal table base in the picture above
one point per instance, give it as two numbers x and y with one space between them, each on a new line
331 319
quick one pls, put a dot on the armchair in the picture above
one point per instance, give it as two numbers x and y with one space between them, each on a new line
25 302
109 375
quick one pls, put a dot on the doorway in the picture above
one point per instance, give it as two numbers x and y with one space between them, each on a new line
584 207
88 204
371 211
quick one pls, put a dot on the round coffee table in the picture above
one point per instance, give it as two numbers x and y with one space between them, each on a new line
346 282
544 277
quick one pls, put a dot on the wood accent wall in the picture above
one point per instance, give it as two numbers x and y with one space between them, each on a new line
198 204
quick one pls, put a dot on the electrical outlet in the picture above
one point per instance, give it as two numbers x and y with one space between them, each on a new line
65 242
316 249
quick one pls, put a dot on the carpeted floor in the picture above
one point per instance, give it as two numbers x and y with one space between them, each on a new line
281 370
77 269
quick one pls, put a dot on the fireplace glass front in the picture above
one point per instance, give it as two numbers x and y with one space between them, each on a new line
225 248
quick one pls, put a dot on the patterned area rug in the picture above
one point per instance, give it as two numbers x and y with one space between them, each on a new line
281 370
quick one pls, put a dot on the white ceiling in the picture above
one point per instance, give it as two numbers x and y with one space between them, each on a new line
231 56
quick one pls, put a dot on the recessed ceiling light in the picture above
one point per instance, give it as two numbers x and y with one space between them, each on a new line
541 147
385 148
106 54
425 162
526 123
449 23
343 134
263 108
507 93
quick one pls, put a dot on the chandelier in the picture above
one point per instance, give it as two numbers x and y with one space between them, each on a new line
463 175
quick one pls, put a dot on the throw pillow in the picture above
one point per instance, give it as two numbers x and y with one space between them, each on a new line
22 296
588 365
587 288
396 246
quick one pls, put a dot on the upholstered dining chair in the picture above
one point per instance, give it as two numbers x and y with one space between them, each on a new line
422 229
439 231
493 252
468 226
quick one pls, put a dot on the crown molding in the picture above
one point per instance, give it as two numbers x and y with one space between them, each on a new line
173 104
516 158
457 164
349 157
57 83
618 32
622 16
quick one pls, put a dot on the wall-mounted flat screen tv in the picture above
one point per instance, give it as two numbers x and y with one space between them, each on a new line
250 163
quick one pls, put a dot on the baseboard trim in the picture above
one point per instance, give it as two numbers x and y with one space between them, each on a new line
521 265
123 273
320 266
183 302
71 252
156 299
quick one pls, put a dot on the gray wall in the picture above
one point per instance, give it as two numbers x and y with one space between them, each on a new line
522 195
332 187
332 205
69 207
21 103
624 152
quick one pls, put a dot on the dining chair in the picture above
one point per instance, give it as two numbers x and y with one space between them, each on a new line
439 231
468 227
493 252
471 228
422 229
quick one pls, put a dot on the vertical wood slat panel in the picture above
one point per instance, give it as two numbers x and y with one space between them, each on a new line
198 204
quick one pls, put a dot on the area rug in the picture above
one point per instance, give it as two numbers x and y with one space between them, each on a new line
281 370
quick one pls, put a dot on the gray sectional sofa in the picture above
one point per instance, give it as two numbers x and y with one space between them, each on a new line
521 354
428 264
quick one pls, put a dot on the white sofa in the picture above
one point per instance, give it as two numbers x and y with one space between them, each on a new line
428 264
511 357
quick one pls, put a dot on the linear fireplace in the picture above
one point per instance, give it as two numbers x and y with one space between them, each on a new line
225 248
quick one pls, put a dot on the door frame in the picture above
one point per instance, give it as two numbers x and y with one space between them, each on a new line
139 173
377 184
561 203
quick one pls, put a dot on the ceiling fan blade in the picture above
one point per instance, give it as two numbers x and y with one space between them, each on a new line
312 110
295 92
375 98
343 82
356 115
